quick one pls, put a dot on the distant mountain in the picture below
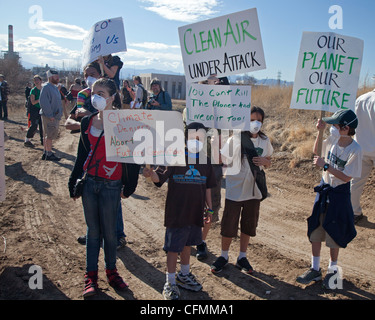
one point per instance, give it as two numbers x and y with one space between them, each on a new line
129 72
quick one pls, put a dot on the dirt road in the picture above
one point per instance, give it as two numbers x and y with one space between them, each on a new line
39 224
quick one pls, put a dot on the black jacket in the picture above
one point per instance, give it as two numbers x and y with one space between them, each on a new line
339 221
130 172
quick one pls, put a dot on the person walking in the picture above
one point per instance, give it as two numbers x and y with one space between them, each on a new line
51 111
34 113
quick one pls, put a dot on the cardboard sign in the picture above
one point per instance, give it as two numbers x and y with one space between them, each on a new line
144 137
2 163
220 107
327 73
222 46
105 37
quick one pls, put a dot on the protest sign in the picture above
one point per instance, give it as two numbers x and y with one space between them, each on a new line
327 73
2 163
223 46
144 137
220 107
105 37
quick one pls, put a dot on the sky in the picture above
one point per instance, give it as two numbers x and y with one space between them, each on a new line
52 32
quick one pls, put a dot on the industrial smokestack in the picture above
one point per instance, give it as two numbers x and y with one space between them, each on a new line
10 39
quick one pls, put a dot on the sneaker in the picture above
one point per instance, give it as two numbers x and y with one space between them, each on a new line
52 157
202 251
82 240
357 218
244 265
91 284
309 276
171 292
115 280
188 282
218 265
28 144
44 156
121 243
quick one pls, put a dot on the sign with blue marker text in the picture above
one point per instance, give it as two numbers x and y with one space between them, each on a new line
327 72
219 107
105 37
222 46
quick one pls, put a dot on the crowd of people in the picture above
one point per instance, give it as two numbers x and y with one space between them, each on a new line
194 191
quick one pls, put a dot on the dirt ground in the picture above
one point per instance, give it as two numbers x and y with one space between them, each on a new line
39 225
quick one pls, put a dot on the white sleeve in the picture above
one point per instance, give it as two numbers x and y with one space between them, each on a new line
353 167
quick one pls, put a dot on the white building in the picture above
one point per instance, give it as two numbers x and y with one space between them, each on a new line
175 85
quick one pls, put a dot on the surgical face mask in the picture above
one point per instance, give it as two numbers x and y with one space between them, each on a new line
90 81
334 132
194 146
98 102
255 126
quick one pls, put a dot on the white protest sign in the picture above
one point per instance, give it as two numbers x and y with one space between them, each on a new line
105 37
220 107
2 163
222 46
327 73
144 137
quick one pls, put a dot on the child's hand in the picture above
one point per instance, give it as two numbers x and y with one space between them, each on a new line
147 172
319 162
321 125
207 216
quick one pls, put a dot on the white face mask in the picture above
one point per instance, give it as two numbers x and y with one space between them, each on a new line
98 102
334 132
255 126
194 146
90 81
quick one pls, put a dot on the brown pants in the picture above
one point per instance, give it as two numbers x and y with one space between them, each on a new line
248 211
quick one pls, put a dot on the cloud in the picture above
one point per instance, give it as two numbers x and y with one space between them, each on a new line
154 46
61 30
41 51
185 11
153 55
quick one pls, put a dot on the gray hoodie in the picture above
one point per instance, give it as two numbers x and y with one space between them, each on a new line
50 101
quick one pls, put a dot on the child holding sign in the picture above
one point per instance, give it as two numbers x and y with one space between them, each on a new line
105 183
332 217
189 191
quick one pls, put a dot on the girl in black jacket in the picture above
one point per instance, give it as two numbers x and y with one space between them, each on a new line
105 182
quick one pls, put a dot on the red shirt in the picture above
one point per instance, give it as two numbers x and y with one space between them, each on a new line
99 166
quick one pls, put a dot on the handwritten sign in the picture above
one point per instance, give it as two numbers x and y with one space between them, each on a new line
223 46
105 37
2 163
220 107
327 73
144 137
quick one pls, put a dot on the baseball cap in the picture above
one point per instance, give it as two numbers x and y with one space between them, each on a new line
343 117
51 73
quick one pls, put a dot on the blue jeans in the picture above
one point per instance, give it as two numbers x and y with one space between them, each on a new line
101 200
120 223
